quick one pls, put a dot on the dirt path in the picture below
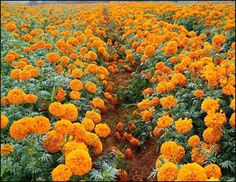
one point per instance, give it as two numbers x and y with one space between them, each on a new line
143 161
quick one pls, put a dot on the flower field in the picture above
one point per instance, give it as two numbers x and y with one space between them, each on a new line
118 91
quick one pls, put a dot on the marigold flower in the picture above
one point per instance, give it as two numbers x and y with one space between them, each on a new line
71 112
19 129
183 125
191 172
6 149
232 120
16 96
88 124
102 130
98 103
11 26
92 56
194 141
76 85
42 125
31 98
198 93
63 126
167 172
61 173
146 115
198 156
209 105
52 57
39 63
53 142
79 162
77 73
57 109
15 74
4 121
72 145
215 120
90 87
150 50
61 93
168 102
164 122
213 170
211 135
75 95
232 104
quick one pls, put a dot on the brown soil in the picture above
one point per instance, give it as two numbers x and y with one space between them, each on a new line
143 161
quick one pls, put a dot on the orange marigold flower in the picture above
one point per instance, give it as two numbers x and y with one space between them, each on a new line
194 141
61 93
215 120
31 98
164 121
167 172
52 57
63 126
232 120
191 172
198 93
79 162
19 129
92 56
183 125
76 85
77 73
57 109
98 103
209 105
61 173
4 121
146 115
53 142
228 89
15 74
6 149
4 100
16 96
72 145
96 117
102 130
24 75
232 104
150 50
71 112
11 26
91 87
168 102
39 63
88 124
75 95
211 135
198 155
83 50
42 125
213 170
79 132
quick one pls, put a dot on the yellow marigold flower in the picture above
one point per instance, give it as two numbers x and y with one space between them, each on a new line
90 87
215 120
164 121
72 145
19 129
168 102
191 172
211 135
178 79
16 96
76 85
41 125
6 149
232 104
183 125
98 103
53 142
71 112
92 56
79 162
102 130
75 95
52 57
172 151
228 89
198 156
194 141
96 117
77 73
4 121
232 120
213 170
91 68
57 109
61 173
88 124
198 93
167 172
63 126
31 98
209 105
213 179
